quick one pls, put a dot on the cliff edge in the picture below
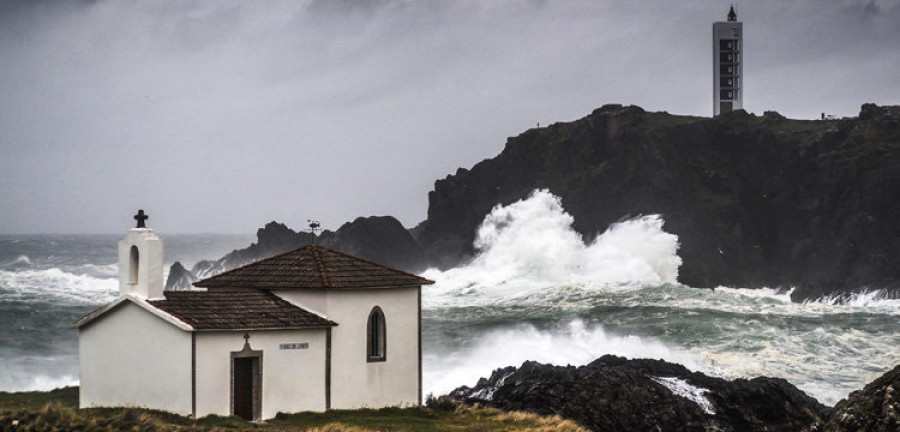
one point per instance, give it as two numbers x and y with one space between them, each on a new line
755 200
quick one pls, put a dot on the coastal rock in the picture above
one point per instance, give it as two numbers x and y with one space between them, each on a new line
381 239
755 200
179 278
613 393
377 238
875 408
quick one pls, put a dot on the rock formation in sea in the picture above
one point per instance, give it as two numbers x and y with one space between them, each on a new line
377 238
179 278
613 393
755 200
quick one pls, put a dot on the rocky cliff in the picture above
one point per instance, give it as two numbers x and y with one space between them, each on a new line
381 239
755 200
613 393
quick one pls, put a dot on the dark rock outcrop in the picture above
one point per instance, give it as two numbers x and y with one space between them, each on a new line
381 239
179 278
755 200
875 408
378 238
271 239
613 393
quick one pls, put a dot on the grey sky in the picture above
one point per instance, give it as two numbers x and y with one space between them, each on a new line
219 116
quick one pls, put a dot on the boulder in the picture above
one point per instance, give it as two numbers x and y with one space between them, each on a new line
613 393
875 408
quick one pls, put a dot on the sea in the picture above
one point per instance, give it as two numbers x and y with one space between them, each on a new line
536 290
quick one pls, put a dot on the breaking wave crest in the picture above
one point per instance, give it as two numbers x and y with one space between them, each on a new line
20 261
56 286
872 299
530 246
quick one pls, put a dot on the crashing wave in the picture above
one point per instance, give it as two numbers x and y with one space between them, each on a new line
530 246
56 285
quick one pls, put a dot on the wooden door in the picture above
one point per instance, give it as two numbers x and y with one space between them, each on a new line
246 387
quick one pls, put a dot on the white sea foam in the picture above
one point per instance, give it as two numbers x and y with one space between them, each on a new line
38 383
877 300
530 246
56 285
682 388
575 344
532 265
100 270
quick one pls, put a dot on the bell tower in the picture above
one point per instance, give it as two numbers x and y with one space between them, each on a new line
141 261
728 43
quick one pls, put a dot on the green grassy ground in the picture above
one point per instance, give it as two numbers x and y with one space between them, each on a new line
57 411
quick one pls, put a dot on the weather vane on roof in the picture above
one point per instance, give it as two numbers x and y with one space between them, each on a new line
314 227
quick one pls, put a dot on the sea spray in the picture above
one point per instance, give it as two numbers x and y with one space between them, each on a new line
56 286
530 246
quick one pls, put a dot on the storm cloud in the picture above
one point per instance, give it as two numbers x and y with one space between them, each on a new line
220 116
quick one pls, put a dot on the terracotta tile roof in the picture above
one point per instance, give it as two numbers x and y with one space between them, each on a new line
313 267
236 310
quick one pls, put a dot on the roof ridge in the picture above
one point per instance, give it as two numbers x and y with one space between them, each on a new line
245 309
241 267
311 267
373 263
322 271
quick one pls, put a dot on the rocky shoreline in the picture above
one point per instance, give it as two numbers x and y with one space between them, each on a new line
613 393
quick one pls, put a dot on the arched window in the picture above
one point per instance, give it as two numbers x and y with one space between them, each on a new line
376 343
133 264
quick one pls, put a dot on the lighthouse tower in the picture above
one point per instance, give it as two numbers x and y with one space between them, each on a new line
728 92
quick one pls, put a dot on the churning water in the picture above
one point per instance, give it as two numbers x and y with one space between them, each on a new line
535 291
49 281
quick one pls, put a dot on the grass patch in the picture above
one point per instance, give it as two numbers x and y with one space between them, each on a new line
57 411
34 401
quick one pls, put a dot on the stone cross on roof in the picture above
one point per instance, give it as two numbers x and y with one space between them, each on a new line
140 217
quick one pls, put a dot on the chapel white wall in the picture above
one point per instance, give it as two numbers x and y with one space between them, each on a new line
133 358
293 380
357 383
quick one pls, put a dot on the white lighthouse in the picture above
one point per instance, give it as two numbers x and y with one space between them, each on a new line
728 43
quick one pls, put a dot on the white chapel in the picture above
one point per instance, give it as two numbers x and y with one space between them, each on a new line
307 330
